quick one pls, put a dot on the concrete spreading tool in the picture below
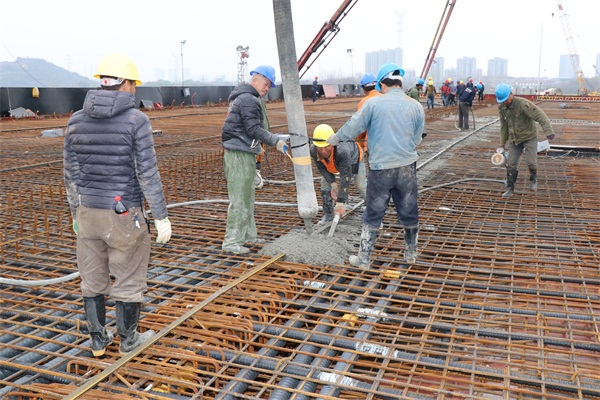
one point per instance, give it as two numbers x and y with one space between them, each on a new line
334 223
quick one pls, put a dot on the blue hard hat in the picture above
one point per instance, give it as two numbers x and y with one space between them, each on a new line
385 71
368 79
420 81
502 92
266 71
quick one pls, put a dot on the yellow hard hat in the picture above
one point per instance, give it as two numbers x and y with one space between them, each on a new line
118 66
430 83
321 134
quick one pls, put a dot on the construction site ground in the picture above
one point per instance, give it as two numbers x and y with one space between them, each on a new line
502 303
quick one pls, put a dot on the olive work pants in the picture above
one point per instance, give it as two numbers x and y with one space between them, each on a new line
529 147
111 244
239 167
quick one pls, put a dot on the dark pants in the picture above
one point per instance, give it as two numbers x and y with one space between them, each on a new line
463 114
397 183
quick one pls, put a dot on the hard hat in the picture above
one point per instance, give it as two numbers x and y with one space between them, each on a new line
388 70
430 82
502 92
479 86
267 71
420 81
431 78
321 134
316 77
461 81
450 80
368 79
118 66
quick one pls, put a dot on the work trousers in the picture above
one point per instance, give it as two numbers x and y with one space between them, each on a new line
239 167
111 244
430 100
463 114
399 184
529 147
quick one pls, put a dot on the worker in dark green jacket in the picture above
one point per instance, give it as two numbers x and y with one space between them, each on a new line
517 129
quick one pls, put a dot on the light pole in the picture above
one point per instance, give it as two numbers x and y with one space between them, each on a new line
349 51
182 80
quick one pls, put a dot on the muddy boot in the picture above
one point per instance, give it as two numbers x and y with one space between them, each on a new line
511 178
128 316
327 208
533 180
367 241
411 236
95 313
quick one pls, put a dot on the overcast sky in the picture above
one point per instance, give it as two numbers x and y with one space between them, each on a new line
76 34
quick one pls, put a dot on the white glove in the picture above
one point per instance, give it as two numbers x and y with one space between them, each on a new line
282 146
164 230
333 140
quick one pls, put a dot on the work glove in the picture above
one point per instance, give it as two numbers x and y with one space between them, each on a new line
75 227
333 140
339 208
334 191
550 136
282 146
163 227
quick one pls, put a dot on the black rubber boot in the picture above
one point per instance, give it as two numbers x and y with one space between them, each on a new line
533 180
95 313
367 241
411 237
128 316
511 178
328 207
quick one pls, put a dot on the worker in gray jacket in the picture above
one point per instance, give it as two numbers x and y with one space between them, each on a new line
517 129
242 135
345 159
110 167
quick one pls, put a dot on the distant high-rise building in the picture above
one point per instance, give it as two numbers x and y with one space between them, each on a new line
597 66
565 69
437 71
375 59
497 68
466 67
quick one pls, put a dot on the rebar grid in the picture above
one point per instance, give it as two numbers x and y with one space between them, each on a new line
503 301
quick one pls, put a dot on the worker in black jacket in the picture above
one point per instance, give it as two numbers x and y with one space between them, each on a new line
344 159
465 102
110 167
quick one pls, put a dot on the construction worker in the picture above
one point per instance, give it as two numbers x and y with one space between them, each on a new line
395 123
465 102
315 89
517 129
480 88
110 167
430 92
415 91
242 136
452 94
367 83
343 159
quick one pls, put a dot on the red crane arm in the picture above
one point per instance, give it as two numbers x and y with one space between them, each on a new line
324 36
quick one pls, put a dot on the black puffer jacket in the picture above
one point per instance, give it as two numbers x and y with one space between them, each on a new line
109 151
243 129
346 157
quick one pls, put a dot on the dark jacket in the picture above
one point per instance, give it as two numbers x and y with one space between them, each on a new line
109 151
468 94
517 121
243 129
346 157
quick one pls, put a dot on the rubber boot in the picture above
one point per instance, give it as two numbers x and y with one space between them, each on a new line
367 241
128 316
511 178
533 180
328 207
411 236
95 313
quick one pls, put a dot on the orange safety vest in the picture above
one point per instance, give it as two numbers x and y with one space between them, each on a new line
330 162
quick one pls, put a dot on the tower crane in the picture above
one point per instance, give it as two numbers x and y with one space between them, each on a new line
573 55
